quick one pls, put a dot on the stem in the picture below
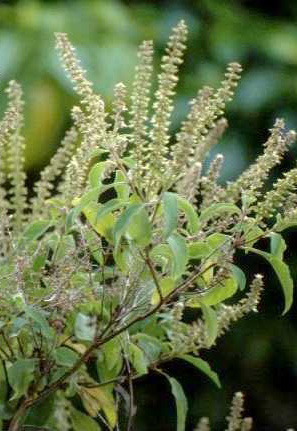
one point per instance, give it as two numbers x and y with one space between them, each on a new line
131 398
20 415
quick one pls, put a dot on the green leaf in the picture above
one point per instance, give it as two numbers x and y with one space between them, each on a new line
252 232
84 327
39 319
89 197
169 204
202 366
104 226
107 208
138 359
96 174
239 275
3 383
86 201
65 357
99 398
216 295
178 247
190 213
17 325
36 229
277 245
20 375
80 421
167 284
110 361
211 322
151 346
161 251
140 229
180 402
283 273
217 240
112 352
122 190
39 414
217 210
39 262
199 250
123 222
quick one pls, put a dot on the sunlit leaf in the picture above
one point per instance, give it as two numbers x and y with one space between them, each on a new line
179 250
140 229
190 213
199 250
36 229
96 174
216 295
167 284
96 399
104 225
123 190
108 207
217 240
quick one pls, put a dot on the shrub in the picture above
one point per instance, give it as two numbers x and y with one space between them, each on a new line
123 234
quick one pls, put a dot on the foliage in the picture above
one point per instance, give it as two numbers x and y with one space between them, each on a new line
124 235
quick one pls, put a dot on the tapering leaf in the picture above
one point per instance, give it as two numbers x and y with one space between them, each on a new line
190 213
239 275
180 254
180 402
211 322
216 295
202 366
283 274
277 245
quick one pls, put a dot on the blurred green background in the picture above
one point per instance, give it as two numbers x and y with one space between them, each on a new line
259 356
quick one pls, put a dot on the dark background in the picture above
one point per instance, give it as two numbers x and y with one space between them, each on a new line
259 356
